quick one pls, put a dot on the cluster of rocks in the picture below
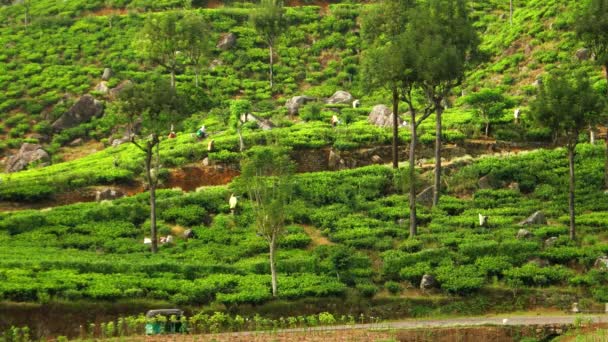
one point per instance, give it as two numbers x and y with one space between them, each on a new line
294 104
108 194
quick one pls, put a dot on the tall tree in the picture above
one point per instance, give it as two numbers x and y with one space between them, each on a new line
391 62
161 42
384 63
266 179
490 105
446 42
592 28
196 37
239 109
269 21
153 107
567 106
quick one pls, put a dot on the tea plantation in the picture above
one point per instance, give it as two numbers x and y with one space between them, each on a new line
346 234
94 251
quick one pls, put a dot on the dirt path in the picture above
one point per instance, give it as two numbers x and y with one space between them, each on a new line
466 326
317 237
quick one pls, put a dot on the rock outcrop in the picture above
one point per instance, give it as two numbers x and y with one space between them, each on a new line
425 197
340 96
582 54
293 104
107 73
536 218
428 282
227 41
28 154
82 111
523 234
382 116
108 194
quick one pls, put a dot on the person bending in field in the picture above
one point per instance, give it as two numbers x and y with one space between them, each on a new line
335 121
201 133
172 135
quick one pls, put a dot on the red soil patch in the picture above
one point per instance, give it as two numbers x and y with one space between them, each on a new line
77 152
106 11
214 4
189 178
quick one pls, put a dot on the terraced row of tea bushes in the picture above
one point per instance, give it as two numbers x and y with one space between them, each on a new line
97 251
358 211
124 164
61 54
58 57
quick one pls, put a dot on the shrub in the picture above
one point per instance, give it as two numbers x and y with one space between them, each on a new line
393 287
460 279
533 275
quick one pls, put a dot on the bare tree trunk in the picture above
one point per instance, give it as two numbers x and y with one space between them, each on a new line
26 7
271 63
395 128
487 129
571 152
606 152
437 180
152 190
606 163
592 135
173 79
412 175
241 142
511 12
273 271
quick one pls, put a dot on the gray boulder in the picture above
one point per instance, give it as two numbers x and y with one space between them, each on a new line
82 111
262 123
376 159
513 186
425 197
582 54
340 96
293 104
227 41
107 73
382 116
523 234
114 92
539 262
120 141
601 262
536 218
428 282
550 242
27 154
76 142
102 87
215 63
108 194
334 160
485 182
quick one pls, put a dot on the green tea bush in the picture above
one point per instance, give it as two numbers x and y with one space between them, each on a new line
533 275
460 279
